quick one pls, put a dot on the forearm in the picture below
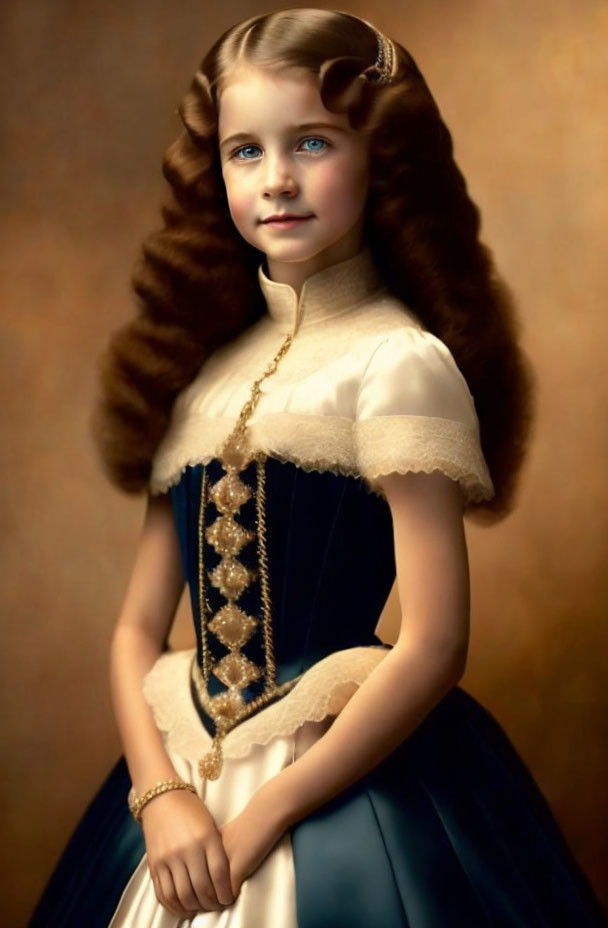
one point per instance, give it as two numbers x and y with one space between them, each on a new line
132 654
385 709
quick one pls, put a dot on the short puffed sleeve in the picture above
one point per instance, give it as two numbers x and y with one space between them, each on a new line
415 413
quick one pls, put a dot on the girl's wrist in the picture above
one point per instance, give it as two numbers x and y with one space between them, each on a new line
137 803
148 776
274 805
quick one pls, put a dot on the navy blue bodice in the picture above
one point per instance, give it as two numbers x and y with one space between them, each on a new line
329 565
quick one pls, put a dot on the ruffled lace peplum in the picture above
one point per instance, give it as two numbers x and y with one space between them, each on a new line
323 690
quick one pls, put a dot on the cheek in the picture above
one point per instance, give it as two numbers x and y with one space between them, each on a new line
342 187
239 200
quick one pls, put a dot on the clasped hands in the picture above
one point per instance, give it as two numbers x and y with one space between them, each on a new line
249 837
194 864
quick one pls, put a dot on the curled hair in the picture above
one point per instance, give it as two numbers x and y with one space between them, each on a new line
196 278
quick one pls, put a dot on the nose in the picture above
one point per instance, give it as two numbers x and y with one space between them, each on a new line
278 178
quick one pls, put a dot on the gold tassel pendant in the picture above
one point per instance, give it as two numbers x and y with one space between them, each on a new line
210 765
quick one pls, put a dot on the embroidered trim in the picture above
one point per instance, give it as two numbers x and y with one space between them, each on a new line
366 448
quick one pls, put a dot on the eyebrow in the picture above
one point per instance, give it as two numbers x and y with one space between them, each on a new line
303 126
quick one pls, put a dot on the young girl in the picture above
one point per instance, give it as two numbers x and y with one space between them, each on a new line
323 379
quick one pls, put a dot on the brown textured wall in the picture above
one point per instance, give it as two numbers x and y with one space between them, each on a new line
89 93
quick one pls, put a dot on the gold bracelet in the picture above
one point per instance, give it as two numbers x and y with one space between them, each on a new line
163 786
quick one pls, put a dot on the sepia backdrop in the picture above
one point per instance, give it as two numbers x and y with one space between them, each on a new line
88 102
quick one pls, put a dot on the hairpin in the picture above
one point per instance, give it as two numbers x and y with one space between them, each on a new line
385 59
381 71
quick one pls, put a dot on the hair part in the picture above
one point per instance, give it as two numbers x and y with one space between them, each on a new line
195 279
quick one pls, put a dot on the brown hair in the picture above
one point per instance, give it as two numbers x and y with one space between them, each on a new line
196 278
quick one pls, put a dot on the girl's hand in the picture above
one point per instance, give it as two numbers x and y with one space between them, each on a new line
249 837
186 856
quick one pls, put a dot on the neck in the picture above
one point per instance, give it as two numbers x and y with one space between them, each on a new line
328 292
295 273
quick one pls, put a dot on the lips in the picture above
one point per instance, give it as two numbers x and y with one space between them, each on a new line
285 217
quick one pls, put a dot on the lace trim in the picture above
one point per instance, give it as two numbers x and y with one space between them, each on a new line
313 442
323 690
367 448
424 443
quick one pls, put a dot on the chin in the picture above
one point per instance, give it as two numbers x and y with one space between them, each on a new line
294 250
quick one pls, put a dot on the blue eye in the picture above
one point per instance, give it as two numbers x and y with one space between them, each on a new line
315 139
244 148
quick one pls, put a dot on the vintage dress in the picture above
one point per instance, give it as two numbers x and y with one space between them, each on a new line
450 830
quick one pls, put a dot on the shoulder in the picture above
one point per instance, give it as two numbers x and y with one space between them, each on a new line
409 370
394 331
414 409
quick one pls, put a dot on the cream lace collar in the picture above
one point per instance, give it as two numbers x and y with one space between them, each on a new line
325 294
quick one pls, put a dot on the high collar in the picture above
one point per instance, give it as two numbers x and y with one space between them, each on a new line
329 292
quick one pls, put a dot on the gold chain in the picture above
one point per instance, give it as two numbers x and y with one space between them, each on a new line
261 510
201 578
239 430
235 669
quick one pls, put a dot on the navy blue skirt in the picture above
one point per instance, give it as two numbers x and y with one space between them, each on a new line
449 831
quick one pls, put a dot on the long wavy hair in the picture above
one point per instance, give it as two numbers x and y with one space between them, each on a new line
195 279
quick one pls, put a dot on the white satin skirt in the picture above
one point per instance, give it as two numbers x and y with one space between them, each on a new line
254 752
267 897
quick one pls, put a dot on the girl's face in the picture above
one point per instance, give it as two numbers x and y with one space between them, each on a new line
281 152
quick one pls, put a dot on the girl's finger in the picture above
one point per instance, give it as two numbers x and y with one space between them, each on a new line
200 879
186 895
165 892
219 872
